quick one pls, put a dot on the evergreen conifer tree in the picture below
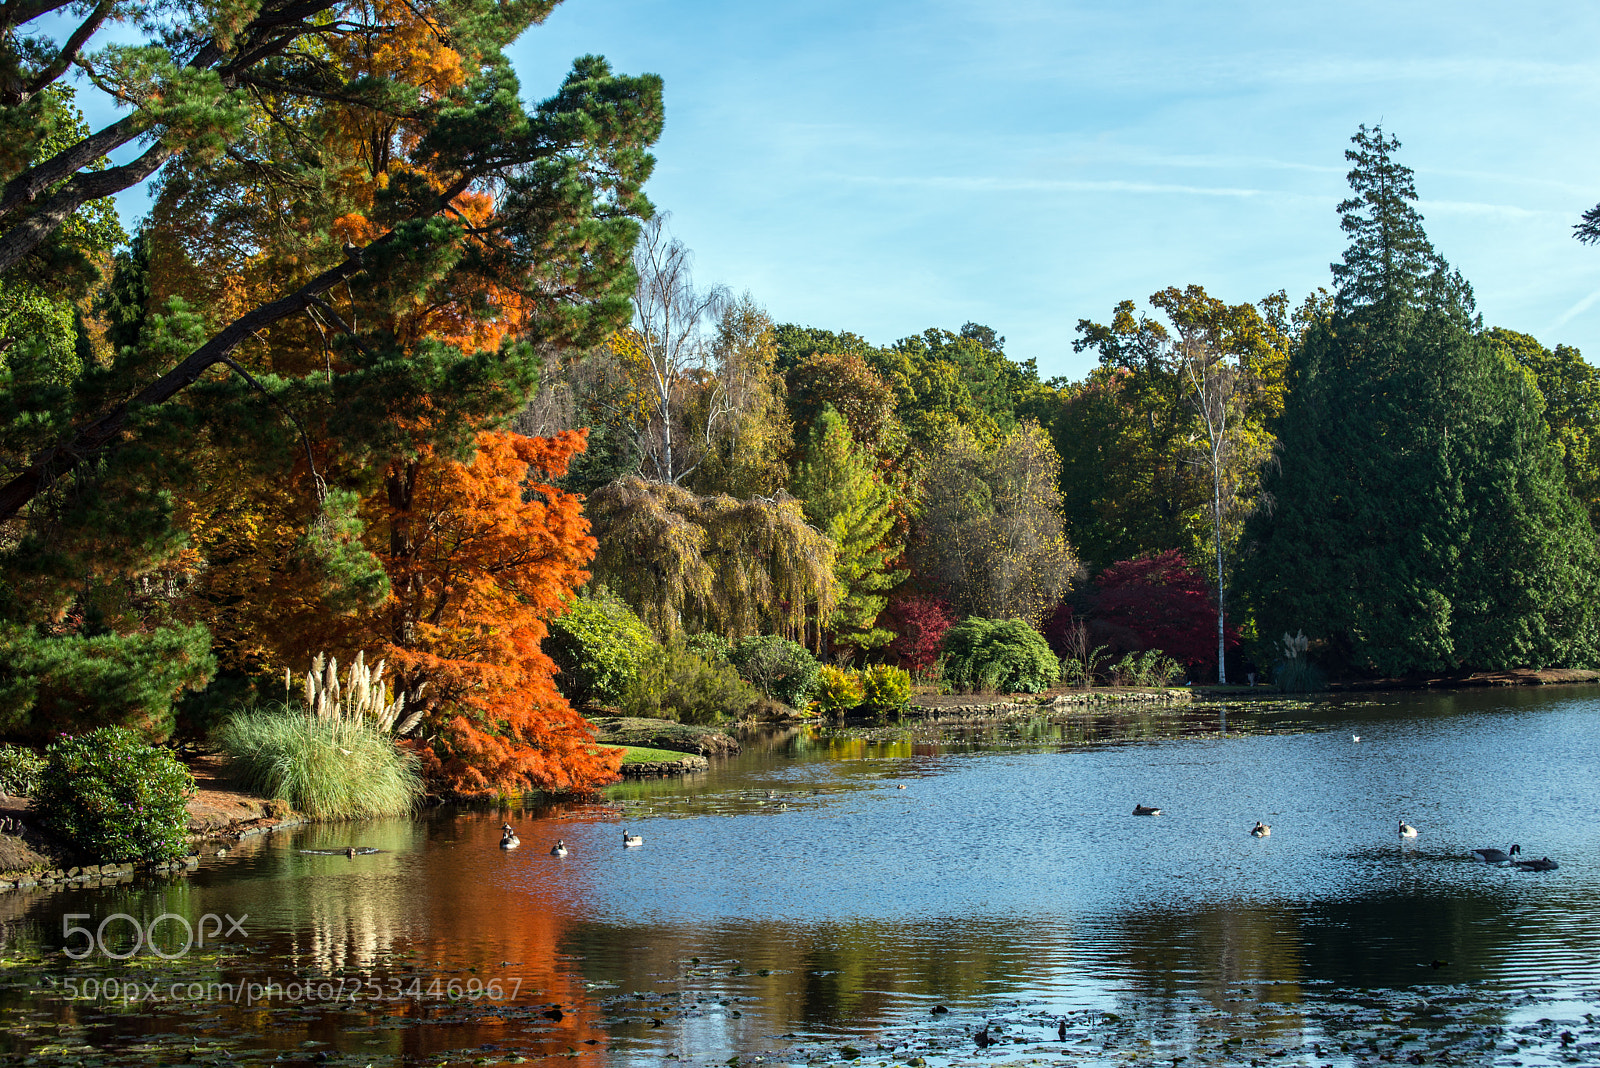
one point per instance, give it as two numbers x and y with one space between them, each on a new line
1419 520
846 499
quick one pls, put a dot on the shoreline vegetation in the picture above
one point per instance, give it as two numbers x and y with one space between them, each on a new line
221 811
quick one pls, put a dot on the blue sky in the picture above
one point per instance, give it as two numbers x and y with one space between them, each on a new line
885 167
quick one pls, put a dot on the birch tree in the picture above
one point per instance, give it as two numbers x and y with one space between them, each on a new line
668 312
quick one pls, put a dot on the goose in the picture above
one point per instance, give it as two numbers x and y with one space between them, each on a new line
1406 830
1260 830
509 839
560 848
1542 864
1497 856
632 839
1146 810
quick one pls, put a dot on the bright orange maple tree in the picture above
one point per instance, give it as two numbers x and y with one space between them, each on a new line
480 555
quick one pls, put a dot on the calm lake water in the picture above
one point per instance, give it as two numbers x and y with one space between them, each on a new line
796 904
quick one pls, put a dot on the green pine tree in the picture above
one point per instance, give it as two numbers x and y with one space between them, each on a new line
1419 517
847 499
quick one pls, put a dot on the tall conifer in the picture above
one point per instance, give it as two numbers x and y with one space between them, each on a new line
1418 520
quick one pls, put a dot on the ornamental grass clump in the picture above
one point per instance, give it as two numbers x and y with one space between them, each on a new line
112 797
327 767
335 757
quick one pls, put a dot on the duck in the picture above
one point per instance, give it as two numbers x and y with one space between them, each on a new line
1497 856
1260 830
1146 810
508 837
560 848
1542 864
1355 737
632 839
1406 830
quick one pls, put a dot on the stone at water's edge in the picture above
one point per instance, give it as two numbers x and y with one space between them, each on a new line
664 734
644 770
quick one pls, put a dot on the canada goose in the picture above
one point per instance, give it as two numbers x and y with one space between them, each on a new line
1260 830
510 840
1542 864
1497 856
982 1038
632 839
560 848
1406 830
1146 810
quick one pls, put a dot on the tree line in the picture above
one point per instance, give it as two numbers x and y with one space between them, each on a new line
398 364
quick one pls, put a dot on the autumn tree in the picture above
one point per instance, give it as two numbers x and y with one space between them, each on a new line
691 563
846 498
356 217
1165 603
740 408
990 535
672 355
848 385
492 552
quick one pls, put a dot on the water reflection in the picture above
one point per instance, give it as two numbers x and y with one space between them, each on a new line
834 886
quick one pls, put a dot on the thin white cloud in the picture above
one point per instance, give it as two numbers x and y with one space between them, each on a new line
1572 313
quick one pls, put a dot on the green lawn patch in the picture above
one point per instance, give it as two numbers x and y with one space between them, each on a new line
638 754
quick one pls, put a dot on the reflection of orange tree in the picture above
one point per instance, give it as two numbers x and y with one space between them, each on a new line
507 933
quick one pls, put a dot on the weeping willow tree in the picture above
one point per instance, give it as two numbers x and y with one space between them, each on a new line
732 567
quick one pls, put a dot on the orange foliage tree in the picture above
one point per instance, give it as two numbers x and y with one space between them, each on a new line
480 554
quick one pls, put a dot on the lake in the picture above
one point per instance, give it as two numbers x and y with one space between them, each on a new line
885 894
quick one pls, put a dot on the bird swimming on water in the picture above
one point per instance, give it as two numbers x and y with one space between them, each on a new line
1260 830
560 848
632 839
1406 830
1542 864
508 837
1497 856
1146 810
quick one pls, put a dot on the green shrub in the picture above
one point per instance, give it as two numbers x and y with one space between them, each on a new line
781 669
1003 655
838 690
327 768
599 645
675 684
111 797
885 689
708 646
19 771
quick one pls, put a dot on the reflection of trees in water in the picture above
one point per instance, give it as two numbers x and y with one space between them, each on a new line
825 976
1238 954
